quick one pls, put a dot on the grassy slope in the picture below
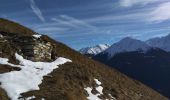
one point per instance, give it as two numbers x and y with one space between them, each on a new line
12 27
68 81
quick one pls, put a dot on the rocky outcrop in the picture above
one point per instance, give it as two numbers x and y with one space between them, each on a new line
31 48
42 50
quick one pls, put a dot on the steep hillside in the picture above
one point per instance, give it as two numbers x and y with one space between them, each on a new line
80 79
151 67
13 27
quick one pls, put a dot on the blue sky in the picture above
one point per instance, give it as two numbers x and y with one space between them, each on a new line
81 23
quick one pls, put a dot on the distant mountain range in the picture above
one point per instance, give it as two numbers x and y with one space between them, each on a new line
147 61
160 42
92 51
126 45
129 44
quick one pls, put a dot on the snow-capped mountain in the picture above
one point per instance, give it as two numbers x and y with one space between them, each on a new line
126 45
94 50
134 58
160 42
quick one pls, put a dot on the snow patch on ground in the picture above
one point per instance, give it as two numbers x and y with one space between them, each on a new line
1 36
37 36
42 99
99 89
97 82
30 98
29 77
4 61
91 95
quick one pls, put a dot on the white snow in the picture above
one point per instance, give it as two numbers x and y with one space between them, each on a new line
42 99
29 77
30 98
97 82
4 61
112 98
92 96
1 36
37 36
99 89
95 49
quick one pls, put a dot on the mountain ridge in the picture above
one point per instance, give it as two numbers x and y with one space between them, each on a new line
152 61
160 42
94 50
126 45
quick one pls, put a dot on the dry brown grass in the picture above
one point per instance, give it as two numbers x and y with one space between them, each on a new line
3 95
13 27
69 80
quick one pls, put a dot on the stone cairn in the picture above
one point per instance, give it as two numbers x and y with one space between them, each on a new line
35 49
